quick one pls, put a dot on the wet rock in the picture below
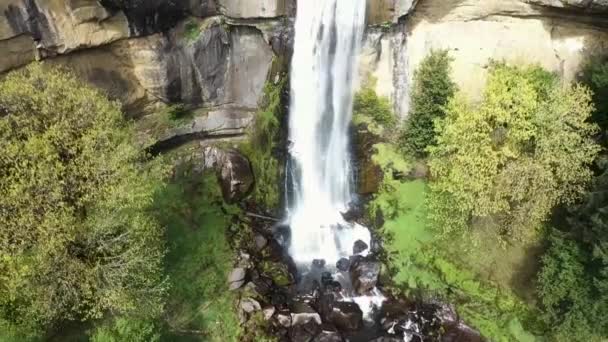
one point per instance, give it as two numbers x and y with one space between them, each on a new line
326 279
282 234
461 333
319 263
346 316
284 320
328 336
234 172
359 247
387 339
250 305
268 312
304 332
353 214
236 278
343 264
364 275
260 242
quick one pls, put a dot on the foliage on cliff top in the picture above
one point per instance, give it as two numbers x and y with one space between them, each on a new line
509 160
77 237
431 91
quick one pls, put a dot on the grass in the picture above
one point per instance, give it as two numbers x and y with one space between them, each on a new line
198 260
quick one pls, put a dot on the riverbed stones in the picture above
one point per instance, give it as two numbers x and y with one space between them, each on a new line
260 242
328 336
364 274
236 278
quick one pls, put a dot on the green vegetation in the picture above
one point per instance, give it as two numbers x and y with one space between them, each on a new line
77 238
528 148
472 232
432 89
199 258
261 145
368 104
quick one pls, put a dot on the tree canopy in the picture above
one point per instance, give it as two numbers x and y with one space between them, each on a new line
510 159
77 239
432 89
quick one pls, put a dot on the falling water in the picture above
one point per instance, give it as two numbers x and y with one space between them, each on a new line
327 43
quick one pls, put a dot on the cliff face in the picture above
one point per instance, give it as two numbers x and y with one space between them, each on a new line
217 54
559 35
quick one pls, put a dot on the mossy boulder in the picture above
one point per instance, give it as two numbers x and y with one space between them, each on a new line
278 272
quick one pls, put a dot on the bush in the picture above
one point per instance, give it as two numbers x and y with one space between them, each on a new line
523 150
432 89
595 76
77 239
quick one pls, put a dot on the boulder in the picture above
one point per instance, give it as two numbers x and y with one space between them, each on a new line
359 247
346 316
328 336
236 278
268 312
364 275
278 272
234 172
249 305
343 264
260 242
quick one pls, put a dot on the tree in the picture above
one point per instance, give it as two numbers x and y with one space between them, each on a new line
573 281
77 237
432 89
524 149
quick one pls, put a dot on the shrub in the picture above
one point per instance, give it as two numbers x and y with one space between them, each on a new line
432 89
368 104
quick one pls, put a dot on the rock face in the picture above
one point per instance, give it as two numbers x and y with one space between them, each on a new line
388 11
255 9
475 31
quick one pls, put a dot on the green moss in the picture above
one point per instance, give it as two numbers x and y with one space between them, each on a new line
192 30
278 272
262 141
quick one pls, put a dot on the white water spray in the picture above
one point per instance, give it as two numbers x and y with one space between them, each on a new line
327 43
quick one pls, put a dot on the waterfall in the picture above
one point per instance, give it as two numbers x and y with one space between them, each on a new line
328 34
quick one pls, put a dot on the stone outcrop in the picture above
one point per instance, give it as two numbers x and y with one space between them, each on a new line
476 31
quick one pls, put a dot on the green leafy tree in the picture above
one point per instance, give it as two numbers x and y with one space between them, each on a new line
432 89
523 150
77 239
573 281
595 76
